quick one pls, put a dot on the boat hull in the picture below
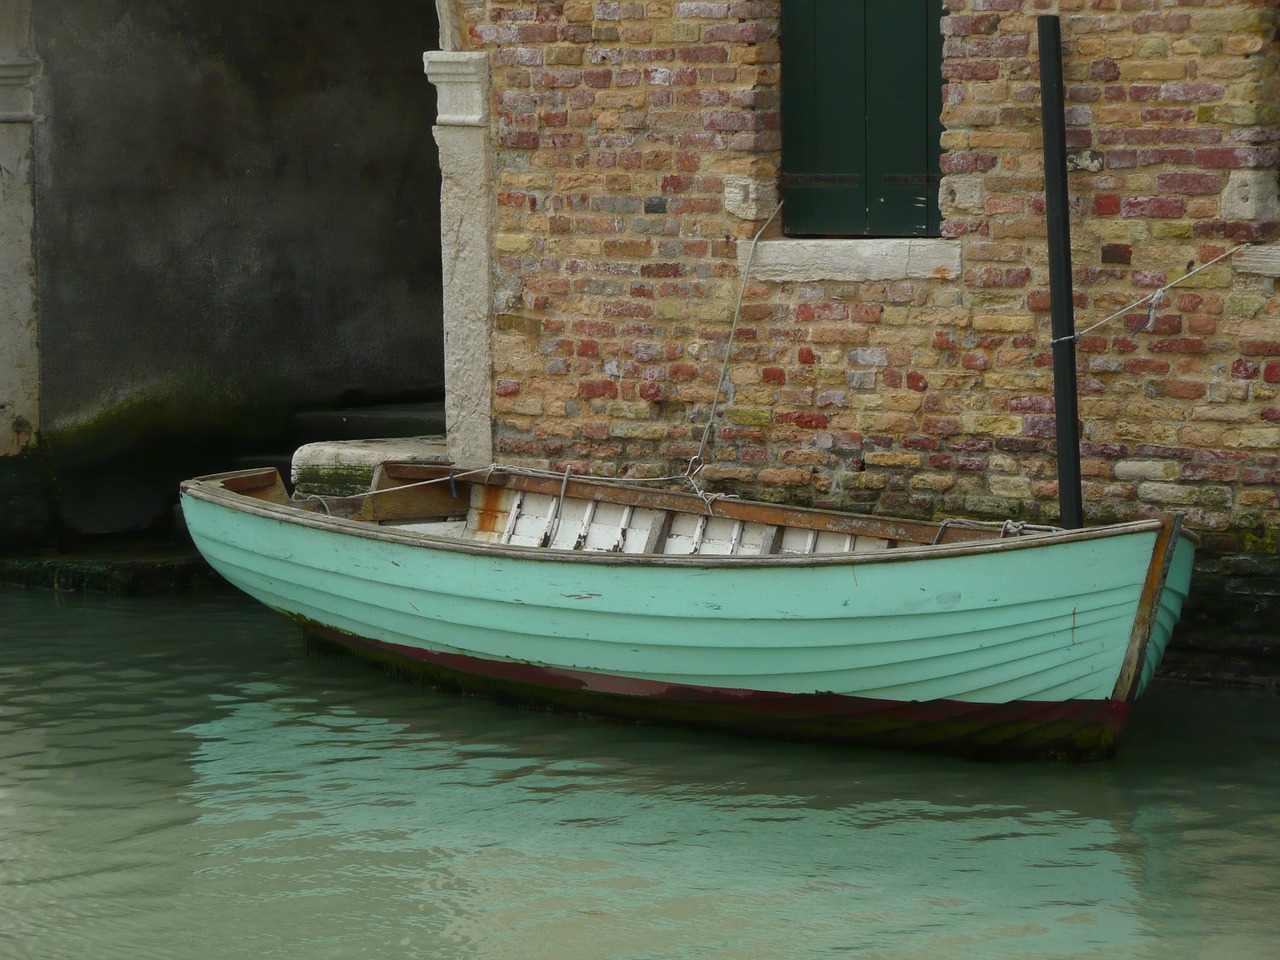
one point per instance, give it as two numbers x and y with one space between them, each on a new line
1012 649
1065 730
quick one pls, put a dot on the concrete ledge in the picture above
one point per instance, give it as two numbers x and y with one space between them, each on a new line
340 468
120 568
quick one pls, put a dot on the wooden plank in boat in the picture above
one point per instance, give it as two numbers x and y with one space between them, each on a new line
446 499
261 484
657 529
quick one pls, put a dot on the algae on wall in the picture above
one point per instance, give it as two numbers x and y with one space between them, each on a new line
238 210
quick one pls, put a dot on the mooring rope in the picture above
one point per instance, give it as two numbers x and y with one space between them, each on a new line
728 348
1154 297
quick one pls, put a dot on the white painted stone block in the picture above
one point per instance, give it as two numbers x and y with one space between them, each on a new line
1263 260
750 199
1251 195
878 259
462 87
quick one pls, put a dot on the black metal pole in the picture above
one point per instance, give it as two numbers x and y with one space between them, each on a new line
1053 125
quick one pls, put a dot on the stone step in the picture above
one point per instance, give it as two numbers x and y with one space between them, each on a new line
333 452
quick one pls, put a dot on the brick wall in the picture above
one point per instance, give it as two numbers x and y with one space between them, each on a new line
618 127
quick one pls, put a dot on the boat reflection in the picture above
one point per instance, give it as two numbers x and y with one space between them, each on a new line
534 836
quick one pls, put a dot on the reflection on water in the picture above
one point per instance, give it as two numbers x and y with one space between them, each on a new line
181 778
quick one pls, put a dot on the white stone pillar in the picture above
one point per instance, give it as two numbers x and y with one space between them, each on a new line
19 342
466 231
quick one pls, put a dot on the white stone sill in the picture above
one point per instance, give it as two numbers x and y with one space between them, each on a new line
912 258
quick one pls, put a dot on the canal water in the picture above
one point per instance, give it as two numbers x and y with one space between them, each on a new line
184 778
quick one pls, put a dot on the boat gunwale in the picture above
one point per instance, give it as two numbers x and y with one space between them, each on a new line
213 489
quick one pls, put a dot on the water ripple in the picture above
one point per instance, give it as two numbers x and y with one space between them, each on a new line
184 778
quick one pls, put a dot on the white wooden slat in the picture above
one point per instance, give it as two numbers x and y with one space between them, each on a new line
699 532
588 515
640 526
794 540
684 533
616 531
828 542
553 523
513 517
567 525
534 521
720 537
750 539
608 528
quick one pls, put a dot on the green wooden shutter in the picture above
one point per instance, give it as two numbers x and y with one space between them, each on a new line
861 106
824 116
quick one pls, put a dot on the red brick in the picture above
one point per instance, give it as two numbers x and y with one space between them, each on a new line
1177 345
1188 183
1260 348
1106 204
1237 157
1182 389
593 389
998 277
811 421
1158 207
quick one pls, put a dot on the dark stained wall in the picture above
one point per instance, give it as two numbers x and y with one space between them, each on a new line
237 217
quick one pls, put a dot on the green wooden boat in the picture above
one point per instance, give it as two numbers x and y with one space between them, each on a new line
978 639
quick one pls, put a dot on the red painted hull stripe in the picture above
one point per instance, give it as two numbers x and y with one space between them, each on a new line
1110 714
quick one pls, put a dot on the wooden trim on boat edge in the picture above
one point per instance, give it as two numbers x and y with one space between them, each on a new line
1148 608
224 489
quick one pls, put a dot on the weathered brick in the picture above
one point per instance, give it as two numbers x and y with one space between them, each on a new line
615 126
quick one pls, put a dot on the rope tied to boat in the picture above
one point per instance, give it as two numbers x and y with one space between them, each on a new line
1152 299
1007 528
451 478
733 332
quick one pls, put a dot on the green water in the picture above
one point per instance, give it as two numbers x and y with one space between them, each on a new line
183 778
